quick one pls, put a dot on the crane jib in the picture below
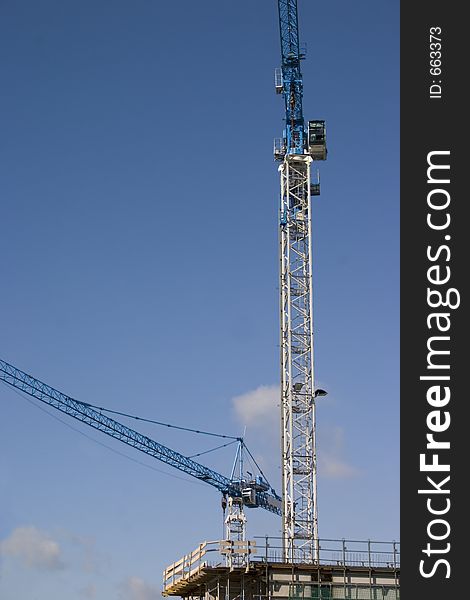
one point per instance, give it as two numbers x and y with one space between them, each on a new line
86 414
292 86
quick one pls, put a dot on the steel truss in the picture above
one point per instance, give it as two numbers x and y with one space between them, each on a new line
299 513
93 417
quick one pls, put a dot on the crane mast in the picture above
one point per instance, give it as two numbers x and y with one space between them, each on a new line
296 151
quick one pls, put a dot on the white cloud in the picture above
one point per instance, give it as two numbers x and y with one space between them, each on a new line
89 559
331 463
88 591
259 409
335 468
33 548
135 588
258 406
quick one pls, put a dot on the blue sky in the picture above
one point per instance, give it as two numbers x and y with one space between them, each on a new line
139 239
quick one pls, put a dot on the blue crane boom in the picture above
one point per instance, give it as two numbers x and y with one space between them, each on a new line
87 414
291 85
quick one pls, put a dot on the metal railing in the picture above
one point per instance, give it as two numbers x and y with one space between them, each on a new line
279 149
343 553
278 81
357 553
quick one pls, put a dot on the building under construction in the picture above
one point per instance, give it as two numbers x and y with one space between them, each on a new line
346 570
299 565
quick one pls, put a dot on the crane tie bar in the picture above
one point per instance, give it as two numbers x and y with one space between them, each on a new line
122 414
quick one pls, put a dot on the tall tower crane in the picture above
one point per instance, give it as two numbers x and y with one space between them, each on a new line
299 146
296 150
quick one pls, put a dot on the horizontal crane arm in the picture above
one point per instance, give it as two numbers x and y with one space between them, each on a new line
86 414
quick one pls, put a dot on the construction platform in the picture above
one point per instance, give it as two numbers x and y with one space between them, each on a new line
256 570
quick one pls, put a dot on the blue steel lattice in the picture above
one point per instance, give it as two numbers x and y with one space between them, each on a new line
86 414
291 56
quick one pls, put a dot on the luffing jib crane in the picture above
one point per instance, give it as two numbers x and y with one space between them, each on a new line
237 492
299 146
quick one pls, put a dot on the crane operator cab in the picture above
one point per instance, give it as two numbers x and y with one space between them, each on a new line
250 488
317 140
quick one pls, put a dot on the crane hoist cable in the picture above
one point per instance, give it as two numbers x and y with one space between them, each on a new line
123 414
261 493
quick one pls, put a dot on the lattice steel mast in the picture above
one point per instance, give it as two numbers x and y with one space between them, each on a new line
297 149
